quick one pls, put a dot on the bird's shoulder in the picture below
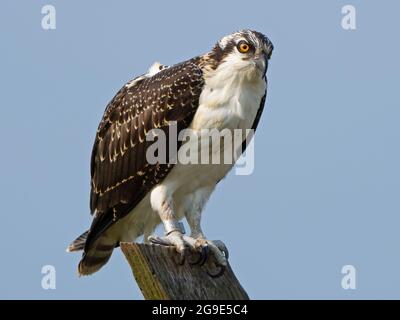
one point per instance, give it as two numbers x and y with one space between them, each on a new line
168 87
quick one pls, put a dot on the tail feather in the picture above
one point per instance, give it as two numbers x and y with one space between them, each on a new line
96 257
95 254
79 243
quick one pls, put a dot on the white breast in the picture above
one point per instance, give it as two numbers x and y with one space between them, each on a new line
229 103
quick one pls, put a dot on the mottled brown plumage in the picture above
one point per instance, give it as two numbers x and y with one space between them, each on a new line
121 176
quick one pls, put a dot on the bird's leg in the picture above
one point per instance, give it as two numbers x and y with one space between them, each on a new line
216 249
193 218
173 230
162 202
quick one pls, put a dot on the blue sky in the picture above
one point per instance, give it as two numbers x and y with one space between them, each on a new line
325 190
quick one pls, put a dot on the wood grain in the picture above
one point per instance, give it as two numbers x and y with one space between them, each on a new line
160 276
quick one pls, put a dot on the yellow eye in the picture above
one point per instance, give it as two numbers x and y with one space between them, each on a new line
243 47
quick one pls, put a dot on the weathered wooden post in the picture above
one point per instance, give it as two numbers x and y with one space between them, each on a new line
159 276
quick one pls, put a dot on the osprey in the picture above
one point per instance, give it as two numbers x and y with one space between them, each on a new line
222 89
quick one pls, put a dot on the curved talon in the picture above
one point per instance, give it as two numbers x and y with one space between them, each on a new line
205 251
226 253
218 274
203 255
221 246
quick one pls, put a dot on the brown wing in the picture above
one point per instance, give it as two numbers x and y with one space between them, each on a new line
121 176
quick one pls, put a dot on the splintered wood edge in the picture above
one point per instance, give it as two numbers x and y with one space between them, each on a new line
145 277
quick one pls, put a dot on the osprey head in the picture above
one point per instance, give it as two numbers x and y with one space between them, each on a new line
243 51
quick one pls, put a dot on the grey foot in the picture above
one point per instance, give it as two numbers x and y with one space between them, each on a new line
174 239
214 252
216 256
